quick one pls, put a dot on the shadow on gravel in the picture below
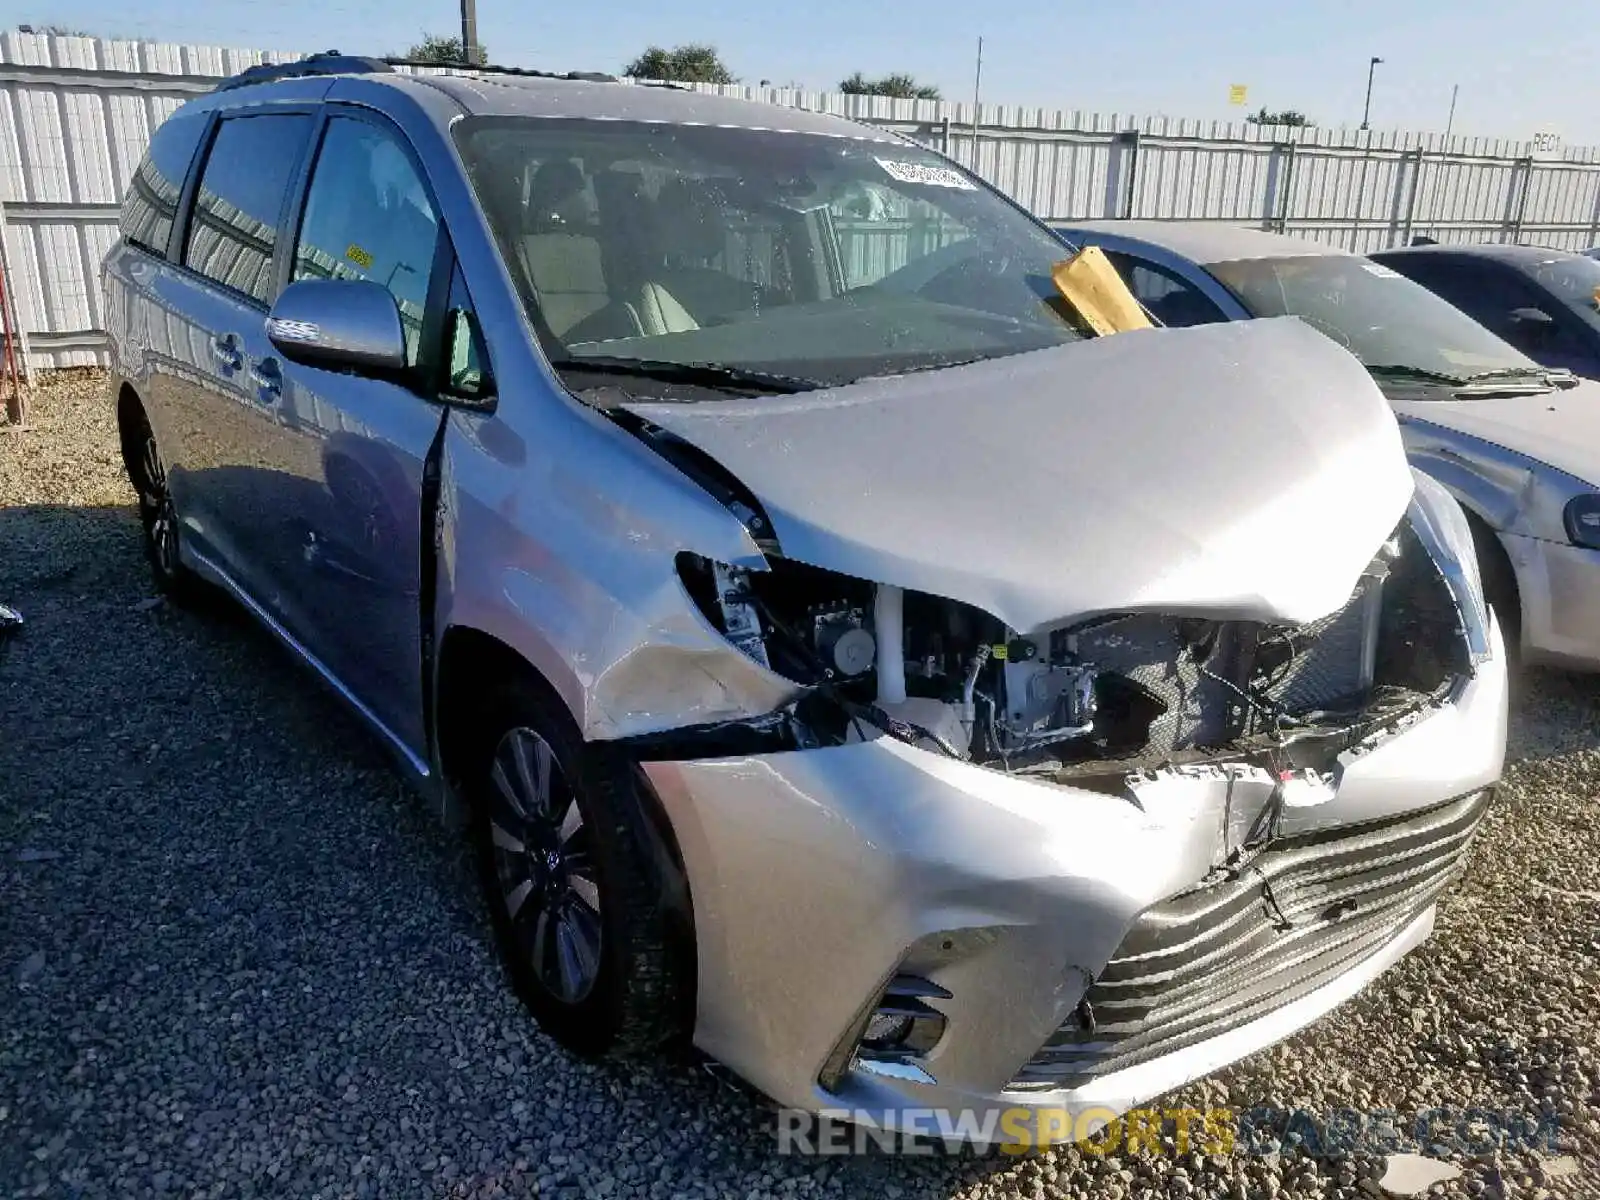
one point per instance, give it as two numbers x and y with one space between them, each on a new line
237 958
235 954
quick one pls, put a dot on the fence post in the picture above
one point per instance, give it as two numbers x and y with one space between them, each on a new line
1415 161
1280 178
1594 220
1123 174
1517 199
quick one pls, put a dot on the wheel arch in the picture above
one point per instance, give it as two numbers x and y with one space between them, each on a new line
1498 571
130 408
471 665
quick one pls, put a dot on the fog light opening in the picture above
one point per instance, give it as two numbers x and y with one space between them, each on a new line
892 1035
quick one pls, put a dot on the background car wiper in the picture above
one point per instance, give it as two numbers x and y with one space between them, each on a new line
1554 376
1519 379
1419 374
715 376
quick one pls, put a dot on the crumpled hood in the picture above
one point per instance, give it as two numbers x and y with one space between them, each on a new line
1245 470
1560 429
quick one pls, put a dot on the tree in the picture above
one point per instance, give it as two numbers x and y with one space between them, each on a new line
1288 116
902 87
445 51
692 63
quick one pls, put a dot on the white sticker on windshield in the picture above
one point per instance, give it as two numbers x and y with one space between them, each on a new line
1381 271
910 172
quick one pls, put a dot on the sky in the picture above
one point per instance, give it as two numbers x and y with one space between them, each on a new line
1520 70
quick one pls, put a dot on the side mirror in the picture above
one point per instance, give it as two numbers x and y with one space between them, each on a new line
352 323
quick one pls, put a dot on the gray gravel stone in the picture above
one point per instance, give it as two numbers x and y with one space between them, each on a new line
262 968
1414 1174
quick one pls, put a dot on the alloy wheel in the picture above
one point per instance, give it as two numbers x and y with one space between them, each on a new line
544 865
161 519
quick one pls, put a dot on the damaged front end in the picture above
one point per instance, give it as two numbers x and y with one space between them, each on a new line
1087 701
1074 862
1260 817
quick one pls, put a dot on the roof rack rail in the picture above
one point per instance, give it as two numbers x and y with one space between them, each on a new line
329 62
491 69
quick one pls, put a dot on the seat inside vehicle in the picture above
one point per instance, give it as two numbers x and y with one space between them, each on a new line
558 247
633 250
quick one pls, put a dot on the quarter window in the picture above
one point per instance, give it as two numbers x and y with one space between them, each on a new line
235 226
368 216
151 202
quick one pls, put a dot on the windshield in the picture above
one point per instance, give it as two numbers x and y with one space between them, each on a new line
1576 283
821 259
1380 316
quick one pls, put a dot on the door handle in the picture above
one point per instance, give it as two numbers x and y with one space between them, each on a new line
225 350
268 376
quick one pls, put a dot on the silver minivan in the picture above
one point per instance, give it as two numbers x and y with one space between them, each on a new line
845 661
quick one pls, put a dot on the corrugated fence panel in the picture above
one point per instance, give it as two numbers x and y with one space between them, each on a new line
76 114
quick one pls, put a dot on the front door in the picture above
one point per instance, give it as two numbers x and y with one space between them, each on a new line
347 559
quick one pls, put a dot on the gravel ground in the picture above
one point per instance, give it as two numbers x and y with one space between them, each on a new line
236 959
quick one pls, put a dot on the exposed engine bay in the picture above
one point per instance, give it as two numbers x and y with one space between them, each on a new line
1112 693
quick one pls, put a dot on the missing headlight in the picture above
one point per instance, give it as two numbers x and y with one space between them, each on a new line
1117 691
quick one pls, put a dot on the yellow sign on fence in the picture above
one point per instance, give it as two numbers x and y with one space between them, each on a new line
1236 93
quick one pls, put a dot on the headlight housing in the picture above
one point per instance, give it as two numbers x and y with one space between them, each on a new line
1582 519
1441 526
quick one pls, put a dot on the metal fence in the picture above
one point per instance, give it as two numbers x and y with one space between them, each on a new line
75 114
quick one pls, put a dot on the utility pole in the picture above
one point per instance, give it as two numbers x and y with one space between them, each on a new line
1366 112
1444 150
977 90
469 33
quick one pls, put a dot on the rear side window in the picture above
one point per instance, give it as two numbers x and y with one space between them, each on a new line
234 229
151 201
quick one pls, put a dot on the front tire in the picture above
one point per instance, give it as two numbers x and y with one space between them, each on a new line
571 867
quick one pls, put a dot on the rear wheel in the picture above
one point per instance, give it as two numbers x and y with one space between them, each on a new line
571 871
157 516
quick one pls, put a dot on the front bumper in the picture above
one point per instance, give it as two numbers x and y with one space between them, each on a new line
1560 592
816 875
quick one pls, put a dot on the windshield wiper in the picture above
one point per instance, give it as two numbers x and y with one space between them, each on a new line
715 376
1480 381
1554 376
1420 374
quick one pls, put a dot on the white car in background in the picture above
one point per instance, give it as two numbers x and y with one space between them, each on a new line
1518 444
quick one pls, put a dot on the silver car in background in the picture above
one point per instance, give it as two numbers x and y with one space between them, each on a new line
852 668
1517 443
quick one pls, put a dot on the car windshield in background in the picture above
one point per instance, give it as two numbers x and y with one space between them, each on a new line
816 259
1575 281
1380 316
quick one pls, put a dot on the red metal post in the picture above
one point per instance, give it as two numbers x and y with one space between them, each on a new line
16 405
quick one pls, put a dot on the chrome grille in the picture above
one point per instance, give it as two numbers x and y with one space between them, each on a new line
1302 912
